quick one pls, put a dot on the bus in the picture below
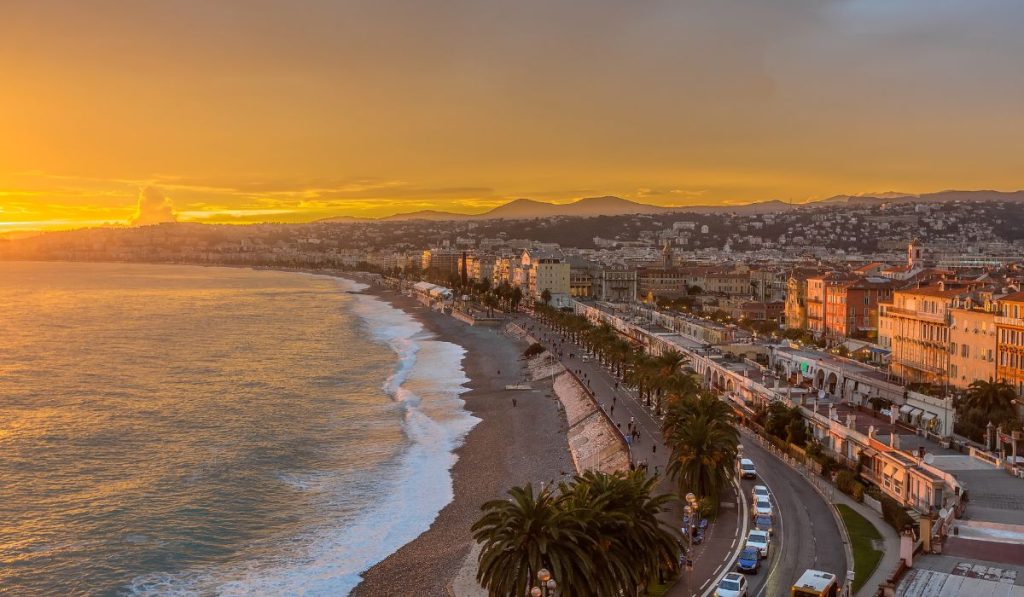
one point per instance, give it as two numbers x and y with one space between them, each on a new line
815 583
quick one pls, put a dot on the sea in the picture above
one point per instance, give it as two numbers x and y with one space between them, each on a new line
180 430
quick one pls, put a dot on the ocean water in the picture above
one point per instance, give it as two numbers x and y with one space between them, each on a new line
213 431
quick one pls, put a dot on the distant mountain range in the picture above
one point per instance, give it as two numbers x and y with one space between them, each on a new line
525 209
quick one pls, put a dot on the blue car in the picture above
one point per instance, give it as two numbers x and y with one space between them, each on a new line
763 522
749 561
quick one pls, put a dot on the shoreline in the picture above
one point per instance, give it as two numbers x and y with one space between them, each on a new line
508 446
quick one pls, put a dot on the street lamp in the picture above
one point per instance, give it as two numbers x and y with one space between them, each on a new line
547 584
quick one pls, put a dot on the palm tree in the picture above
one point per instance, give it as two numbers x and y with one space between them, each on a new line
528 532
700 431
633 544
990 396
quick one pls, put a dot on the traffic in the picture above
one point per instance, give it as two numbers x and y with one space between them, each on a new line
758 568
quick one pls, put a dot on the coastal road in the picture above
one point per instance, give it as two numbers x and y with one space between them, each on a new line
715 555
806 532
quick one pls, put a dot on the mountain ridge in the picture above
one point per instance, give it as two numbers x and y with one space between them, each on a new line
610 205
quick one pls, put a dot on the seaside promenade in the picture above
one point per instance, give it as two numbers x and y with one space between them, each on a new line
714 556
807 529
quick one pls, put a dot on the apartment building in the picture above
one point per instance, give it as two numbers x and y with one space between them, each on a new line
972 343
1009 323
851 308
616 285
545 269
915 326
661 281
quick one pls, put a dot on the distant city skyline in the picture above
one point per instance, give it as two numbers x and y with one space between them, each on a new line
269 111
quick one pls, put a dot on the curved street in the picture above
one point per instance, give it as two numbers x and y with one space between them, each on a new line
806 531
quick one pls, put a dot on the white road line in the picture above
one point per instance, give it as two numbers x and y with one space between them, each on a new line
776 551
744 514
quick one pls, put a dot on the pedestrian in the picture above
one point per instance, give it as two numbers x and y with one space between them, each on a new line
654 448
613 409
655 470
515 403
499 371
614 398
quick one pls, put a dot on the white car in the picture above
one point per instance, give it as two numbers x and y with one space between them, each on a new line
746 469
761 540
762 506
732 585
759 492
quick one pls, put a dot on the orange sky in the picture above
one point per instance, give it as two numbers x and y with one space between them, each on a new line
254 110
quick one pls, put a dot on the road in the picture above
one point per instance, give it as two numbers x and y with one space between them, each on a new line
806 533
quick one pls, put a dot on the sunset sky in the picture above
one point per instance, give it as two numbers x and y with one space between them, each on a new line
245 111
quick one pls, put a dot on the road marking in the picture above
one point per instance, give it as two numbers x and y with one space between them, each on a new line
778 558
744 514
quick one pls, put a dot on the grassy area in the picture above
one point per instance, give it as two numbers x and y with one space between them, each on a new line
865 556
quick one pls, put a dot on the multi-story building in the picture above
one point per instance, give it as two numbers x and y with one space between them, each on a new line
444 261
617 285
820 289
851 308
972 343
581 282
916 327
660 281
1009 324
543 269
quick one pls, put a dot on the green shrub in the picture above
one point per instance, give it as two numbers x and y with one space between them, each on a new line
895 514
857 492
845 481
533 350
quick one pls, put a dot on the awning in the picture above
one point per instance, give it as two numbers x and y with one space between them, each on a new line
905 409
927 416
915 412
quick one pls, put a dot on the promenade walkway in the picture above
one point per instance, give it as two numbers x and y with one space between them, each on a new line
716 553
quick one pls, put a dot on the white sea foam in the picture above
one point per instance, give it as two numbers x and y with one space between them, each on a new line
425 385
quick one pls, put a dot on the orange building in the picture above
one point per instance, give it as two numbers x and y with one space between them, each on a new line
1009 323
916 325
851 308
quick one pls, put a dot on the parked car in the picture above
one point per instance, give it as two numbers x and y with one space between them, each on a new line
732 585
749 561
760 540
759 492
764 523
763 507
746 469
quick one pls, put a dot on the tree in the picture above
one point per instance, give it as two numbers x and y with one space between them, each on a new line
700 432
599 535
516 297
990 396
521 535
545 296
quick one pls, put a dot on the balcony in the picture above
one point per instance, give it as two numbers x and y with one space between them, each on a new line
915 314
1011 321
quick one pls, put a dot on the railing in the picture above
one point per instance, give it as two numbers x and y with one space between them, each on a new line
1003 320
915 314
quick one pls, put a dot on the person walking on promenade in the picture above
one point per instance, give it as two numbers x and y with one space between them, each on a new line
614 399
654 448
612 411
514 403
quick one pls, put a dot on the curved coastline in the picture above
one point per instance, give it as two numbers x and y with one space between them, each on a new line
508 446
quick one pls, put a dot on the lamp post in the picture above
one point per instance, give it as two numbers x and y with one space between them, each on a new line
692 511
546 584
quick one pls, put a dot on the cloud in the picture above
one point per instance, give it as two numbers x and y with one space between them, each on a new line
154 208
